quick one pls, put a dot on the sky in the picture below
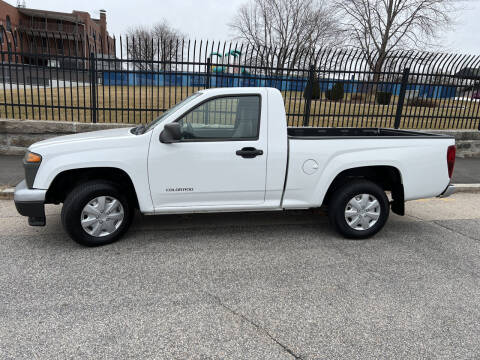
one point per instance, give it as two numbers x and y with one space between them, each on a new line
208 19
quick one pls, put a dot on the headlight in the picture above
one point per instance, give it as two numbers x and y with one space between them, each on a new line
31 157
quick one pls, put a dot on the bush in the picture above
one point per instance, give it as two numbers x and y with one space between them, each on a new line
421 102
383 97
335 93
315 90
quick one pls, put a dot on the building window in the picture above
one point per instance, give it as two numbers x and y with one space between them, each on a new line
60 25
44 43
60 44
9 49
9 24
1 35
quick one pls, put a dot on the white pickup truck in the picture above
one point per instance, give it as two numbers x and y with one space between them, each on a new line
230 150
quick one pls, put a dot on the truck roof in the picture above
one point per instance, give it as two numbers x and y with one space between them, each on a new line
237 90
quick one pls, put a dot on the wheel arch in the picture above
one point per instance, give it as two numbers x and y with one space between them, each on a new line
66 180
388 177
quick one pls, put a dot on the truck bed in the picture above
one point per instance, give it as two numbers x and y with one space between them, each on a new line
316 133
318 155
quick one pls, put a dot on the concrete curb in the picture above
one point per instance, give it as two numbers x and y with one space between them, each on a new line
7 194
467 188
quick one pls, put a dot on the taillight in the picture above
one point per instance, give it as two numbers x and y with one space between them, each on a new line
451 159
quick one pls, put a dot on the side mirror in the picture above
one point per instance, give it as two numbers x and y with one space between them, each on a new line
171 133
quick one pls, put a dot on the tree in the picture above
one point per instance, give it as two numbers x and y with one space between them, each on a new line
378 27
170 42
153 48
140 48
286 32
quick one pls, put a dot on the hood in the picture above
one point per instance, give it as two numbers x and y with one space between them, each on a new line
86 137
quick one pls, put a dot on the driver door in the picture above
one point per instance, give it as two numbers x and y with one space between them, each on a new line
219 162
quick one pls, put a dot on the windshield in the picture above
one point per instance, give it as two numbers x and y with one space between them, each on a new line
172 109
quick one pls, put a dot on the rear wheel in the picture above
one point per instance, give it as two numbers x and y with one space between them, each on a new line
358 209
96 213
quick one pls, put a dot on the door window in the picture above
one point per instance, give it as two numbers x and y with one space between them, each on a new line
223 118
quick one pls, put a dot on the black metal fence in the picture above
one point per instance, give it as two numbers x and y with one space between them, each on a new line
78 80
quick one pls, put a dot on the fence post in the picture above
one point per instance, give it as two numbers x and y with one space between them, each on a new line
308 95
209 63
93 87
401 97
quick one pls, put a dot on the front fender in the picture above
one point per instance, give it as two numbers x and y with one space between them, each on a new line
129 156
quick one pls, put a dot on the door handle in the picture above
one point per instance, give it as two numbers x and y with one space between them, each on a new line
249 152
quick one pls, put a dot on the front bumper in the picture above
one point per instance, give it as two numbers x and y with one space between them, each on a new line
31 203
448 191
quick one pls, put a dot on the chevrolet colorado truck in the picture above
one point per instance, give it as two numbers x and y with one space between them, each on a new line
229 149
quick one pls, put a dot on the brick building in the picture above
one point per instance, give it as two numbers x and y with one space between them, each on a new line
52 38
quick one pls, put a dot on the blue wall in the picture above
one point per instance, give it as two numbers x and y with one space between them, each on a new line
282 83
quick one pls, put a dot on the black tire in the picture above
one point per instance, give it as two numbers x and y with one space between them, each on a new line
76 201
338 204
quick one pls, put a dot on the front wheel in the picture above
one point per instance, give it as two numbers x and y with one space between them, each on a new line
358 209
96 213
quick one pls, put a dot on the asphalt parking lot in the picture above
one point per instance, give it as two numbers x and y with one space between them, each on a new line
246 286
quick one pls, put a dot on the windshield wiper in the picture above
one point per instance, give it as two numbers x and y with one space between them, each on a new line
138 130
